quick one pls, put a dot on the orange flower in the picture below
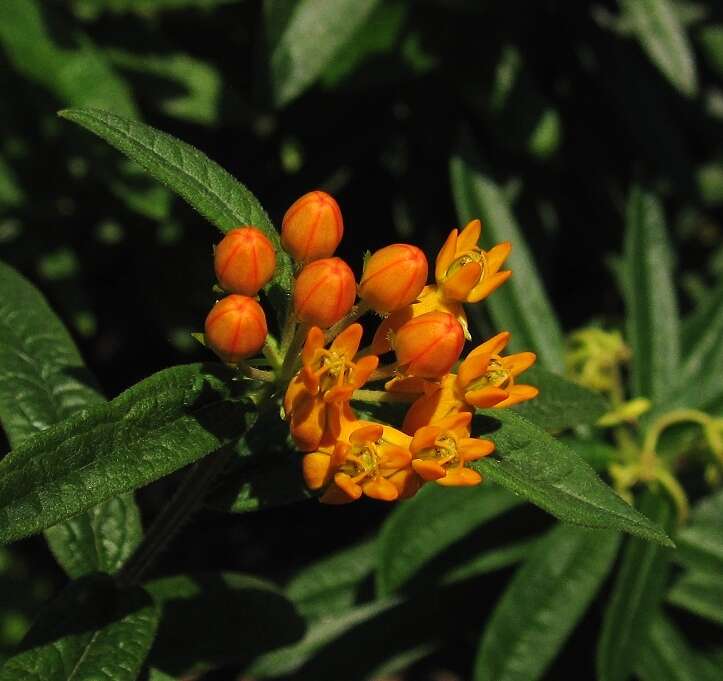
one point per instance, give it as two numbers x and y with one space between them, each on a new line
484 379
316 401
429 345
244 261
465 272
235 328
393 277
312 228
324 292
367 459
441 451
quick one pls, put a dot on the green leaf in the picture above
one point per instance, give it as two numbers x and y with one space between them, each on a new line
711 40
657 27
521 305
652 312
303 36
666 655
207 187
10 192
60 58
89 629
536 466
159 425
218 618
489 560
700 542
91 9
701 593
638 590
42 381
422 528
561 403
543 602
331 585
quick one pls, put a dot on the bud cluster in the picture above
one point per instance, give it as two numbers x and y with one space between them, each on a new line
318 363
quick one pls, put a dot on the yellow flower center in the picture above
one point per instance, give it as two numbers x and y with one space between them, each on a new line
444 451
363 460
474 255
496 376
335 369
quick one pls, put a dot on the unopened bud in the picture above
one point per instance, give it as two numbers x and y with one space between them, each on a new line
393 277
324 292
244 261
235 328
312 228
429 345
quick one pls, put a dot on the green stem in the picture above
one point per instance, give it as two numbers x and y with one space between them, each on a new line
289 367
381 396
354 314
672 418
257 374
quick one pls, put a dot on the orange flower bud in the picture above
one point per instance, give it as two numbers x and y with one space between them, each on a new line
235 328
244 261
393 277
312 228
324 292
427 346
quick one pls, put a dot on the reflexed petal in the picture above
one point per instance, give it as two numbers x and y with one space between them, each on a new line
410 385
293 392
460 477
369 432
428 469
347 485
338 457
517 394
308 420
396 438
363 369
424 438
518 362
335 496
486 397
469 237
473 448
395 457
314 341
339 393
316 468
493 346
454 422
310 379
487 285
347 342
496 256
472 367
445 257
380 488
407 482
458 286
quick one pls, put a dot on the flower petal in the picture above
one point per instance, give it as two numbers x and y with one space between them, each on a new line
496 256
517 394
473 448
487 285
363 369
347 485
469 237
347 342
407 482
380 488
428 470
445 257
486 397
424 438
314 341
518 362
459 285
369 432
315 467
473 366
335 496
460 477
338 456
395 457
493 346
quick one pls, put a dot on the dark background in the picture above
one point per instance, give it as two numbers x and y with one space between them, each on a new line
561 103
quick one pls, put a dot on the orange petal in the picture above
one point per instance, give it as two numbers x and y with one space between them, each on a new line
395 457
314 341
487 285
460 420
493 346
380 488
424 438
445 257
335 496
407 482
347 342
518 362
370 432
338 456
473 366
310 379
484 398
347 485
428 469
460 477
308 421
315 468
496 256
363 369
459 285
470 236
517 394
339 393
473 448
409 385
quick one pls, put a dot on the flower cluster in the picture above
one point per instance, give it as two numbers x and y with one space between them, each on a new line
321 370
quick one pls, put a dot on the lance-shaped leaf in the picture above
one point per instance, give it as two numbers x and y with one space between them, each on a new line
521 306
89 629
216 618
700 593
42 381
205 185
637 593
159 425
425 526
533 464
303 37
658 28
700 542
652 312
561 403
543 602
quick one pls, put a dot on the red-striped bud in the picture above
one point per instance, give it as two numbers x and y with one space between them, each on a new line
429 345
324 292
244 261
312 228
236 328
